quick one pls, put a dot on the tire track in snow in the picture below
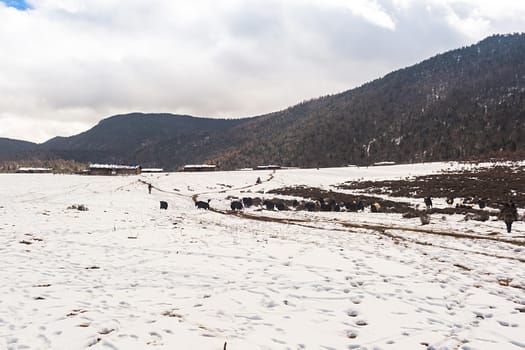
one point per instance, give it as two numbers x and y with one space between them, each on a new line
381 229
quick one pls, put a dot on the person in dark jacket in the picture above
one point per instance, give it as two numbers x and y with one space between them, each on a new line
428 202
509 214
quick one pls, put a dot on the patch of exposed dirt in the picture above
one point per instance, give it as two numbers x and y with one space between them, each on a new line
387 206
495 185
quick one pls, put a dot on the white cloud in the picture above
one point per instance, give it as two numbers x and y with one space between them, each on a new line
369 10
476 18
68 63
474 25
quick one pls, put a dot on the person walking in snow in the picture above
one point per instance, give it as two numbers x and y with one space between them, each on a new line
149 188
509 214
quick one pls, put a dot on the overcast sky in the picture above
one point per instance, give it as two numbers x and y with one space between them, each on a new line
66 64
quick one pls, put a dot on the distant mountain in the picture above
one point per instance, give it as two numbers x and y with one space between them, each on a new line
461 104
135 138
10 146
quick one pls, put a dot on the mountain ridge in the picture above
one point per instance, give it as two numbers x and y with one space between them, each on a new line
462 103
394 117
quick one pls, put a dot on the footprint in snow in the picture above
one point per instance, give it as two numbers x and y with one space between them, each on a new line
352 313
351 334
361 323
156 337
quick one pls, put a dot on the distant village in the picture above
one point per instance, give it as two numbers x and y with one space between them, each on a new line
119 169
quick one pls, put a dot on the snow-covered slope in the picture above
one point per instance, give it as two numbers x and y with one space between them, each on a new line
126 275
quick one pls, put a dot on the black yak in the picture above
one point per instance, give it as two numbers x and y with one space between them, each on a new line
281 206
509 214
482 204
203 205
425 219
334 206
310 206
355 206
269 204
236 205
323 206
247 202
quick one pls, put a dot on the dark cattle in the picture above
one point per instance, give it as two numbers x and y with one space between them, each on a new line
256 201
203 205
295 203
323 206
355 206
236 205
450 200
300 206
310 206
428 202
482 204
509 214
247 202
280 206
351 206
334 206
425 219
163 205
269 205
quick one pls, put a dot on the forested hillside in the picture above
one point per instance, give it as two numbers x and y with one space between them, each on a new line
138 138
463 104
10 146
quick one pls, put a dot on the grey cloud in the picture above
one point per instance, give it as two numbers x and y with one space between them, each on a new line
74 66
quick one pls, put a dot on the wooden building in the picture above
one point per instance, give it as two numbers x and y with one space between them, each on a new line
267 167
30 170
113 169
199 167
152 170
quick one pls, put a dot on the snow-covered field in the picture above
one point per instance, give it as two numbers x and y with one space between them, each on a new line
127 275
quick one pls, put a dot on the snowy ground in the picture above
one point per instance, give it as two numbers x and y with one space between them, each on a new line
127 275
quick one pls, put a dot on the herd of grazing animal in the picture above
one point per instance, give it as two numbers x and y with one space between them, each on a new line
466 203
508 213
321 204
